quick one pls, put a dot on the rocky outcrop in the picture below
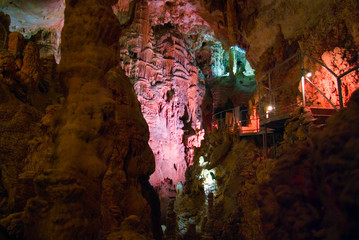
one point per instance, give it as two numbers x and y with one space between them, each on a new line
41 21
100 139
80 169
300 194
231 211
16 43
308 190
26 141
288 199
157 57
335 159
171 222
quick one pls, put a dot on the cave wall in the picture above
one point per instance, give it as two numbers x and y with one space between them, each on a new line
80 168
91 141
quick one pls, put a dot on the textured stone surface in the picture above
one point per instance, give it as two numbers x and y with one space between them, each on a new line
85 162
75 173
15 43
30 69
339 60
26 145
100 139
157 57
38 17
231 211
168 54
335 156
299 195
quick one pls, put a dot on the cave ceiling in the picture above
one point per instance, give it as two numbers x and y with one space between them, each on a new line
28 16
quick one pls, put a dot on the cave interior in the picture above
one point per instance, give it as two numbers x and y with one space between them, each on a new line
179 119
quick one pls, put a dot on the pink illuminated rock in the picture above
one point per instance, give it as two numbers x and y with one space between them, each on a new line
161 65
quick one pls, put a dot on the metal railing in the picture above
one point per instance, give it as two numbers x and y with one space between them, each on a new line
229 118
269 98
339 81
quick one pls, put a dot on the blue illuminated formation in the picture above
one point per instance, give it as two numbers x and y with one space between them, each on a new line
221 62
218 60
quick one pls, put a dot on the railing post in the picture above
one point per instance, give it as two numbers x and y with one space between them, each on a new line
303 90
302 73
265 144
339 82
270 89
259 99
219 120
330 102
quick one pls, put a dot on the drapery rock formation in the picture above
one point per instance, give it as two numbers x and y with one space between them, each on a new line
158 58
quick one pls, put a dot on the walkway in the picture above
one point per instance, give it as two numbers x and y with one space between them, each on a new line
271 112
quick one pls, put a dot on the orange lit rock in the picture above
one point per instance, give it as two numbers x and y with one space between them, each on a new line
30 70
339 60
16 43
7 62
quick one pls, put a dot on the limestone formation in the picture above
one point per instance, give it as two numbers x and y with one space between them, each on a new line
30 69
16 43
91 143
132 102
161 65
208 228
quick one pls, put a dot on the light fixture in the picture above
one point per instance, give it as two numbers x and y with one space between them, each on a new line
270 108
306 73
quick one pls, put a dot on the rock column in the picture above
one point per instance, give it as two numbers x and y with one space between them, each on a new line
100 138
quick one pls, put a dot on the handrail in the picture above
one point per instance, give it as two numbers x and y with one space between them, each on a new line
317 61
300 54
243 127
322 94
349 71
269 93
228 110
284 85
279 65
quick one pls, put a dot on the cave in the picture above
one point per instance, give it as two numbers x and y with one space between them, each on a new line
179 119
